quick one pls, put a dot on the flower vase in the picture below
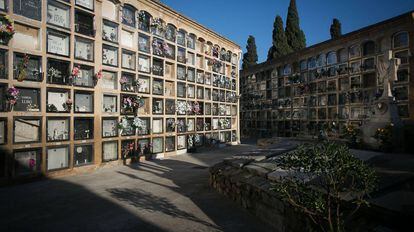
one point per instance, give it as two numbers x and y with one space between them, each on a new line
9 107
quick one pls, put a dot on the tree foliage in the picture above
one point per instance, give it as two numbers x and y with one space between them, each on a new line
322 177
295 36
336 29
250 57
280 46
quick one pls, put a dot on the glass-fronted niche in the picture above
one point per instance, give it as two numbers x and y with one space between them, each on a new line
27 161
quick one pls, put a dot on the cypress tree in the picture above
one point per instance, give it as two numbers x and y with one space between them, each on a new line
280 46
295 36
250 57
336 29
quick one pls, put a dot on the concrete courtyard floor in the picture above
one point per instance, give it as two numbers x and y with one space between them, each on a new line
162 195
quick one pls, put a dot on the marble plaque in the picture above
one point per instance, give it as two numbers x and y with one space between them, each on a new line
109 128
58 43
58 14
110 151
57 129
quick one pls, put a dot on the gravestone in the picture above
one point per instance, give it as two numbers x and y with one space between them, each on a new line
384 108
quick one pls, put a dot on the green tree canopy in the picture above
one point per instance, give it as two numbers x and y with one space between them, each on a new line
336 29
250 57
295 36
280 46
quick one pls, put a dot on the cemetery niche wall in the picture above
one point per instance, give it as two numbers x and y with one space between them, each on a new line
336 88
97 82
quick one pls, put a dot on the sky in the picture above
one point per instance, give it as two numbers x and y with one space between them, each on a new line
237 19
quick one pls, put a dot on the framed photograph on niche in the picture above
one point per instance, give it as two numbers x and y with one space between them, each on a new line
83 102
110 151
57 129
57 158
58 72
3 131
84 49
27 130
109 31
28 8
109 127
58 43
58 14
85 77
109 55
109 104
83 155
33 71
83 128
29 100
84 23
109 80
27 161
157 145
170 144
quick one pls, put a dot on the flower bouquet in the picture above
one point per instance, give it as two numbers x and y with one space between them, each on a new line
11 97
97 77
22 68
68 105
6 29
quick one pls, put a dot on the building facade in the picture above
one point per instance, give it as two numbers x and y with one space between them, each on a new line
330 85
85 83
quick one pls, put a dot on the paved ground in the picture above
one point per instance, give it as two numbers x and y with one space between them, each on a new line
164 195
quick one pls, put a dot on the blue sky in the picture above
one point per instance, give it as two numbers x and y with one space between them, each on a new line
237 19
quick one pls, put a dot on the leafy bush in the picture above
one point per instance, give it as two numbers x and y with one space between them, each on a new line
321 177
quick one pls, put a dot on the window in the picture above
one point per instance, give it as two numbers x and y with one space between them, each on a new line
181 55
128 15
191 41
3 131
157 106
83 102
158 67
109 127
58 14
343 55
170 144
401 93
27 162
170 32
128 59
181 34
158 87
403 111
109 104
84 23
321 61
33 70
369 64
354 51
58 43
28 8
331 58
144 21
144 84
109 80
402 75
145 126
312 63
303 65
109 151
83 155
144 64
287 70
368 48
157 145
403 56
157 125
110 31
169 107
58 72
27 130
400 40
28 100
109 55
83 128
143 43
127 39
158 27
88 4
57 129
85 77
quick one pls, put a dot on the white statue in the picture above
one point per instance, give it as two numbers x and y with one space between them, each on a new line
387 71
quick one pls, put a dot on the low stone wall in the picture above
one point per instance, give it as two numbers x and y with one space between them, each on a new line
253 193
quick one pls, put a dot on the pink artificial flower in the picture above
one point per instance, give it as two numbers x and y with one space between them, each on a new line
76 71
12 101
99 74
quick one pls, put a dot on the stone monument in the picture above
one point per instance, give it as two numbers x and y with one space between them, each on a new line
384 109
